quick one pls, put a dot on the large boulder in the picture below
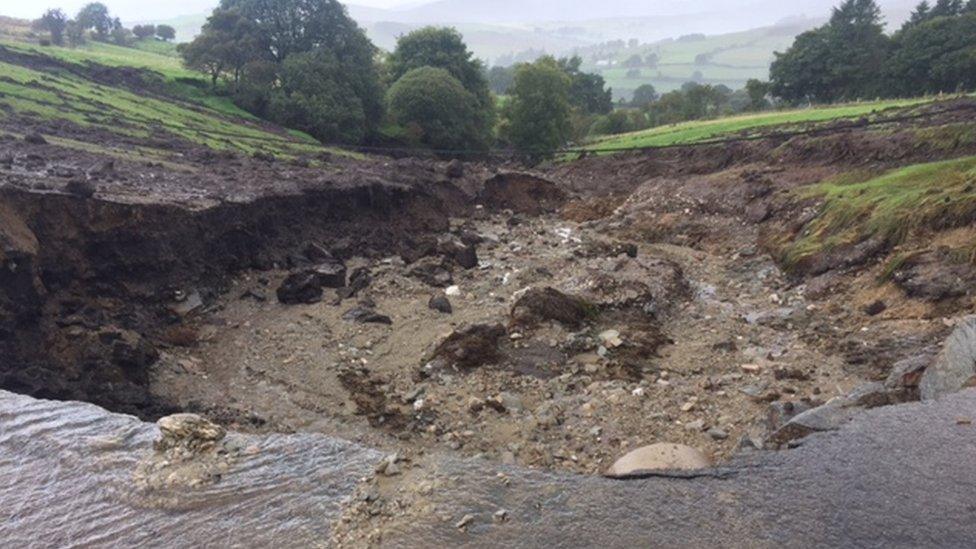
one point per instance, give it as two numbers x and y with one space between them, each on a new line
658 457
299 288
545 304
468 348
955 367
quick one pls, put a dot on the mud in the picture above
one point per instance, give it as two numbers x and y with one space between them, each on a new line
551 320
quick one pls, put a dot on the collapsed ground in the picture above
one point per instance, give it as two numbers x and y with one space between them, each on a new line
702 295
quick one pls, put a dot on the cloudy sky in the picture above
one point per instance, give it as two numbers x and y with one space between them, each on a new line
134 10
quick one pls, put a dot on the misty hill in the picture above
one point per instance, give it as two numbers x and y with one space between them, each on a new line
738 15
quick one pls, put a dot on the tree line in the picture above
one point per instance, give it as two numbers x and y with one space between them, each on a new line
851 57
95 22
307 65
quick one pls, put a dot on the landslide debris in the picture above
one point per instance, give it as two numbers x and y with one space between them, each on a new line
559 320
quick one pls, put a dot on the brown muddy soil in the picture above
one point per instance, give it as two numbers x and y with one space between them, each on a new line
555 319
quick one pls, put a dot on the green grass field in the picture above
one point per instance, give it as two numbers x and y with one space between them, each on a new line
703 130
729 59
180 102
890 207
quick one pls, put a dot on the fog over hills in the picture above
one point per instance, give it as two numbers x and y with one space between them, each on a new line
739 15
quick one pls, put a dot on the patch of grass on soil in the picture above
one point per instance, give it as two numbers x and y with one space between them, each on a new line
934 196
703 130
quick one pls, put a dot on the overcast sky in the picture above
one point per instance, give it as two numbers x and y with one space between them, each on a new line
135 10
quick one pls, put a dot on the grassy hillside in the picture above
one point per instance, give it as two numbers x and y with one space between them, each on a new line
134 94
702 130
888 207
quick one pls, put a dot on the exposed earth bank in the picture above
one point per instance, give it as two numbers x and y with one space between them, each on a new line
448 314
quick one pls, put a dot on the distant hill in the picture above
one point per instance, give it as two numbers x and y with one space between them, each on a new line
738 14
740 36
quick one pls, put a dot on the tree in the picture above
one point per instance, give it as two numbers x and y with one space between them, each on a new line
840 60
936 56
319 96
587 91
95 16
947 8
970 7
443 48
299 26
327 44
144 31
205 54
165 32
226 43
643 95
54 22
500 79
538 115
120 35
75 33
921 14
634 62
438 111
757 91
614 123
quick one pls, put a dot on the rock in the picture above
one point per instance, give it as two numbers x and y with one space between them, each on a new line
540 305
779 413
388 465
717 434
955 367
315 252
464 522
611 339
870 395
500 516
187 304
129 350
829 417
365 315
188 432
657 457
875 308
466 256
80 188
511 402
303 287
471 238
452 291
35 138
455 169
431 271
905 377
440 303
331 274
359 280
469 347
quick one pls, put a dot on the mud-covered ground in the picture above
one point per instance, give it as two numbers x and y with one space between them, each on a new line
555 318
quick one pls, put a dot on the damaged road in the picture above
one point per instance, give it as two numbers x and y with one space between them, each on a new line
897 476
